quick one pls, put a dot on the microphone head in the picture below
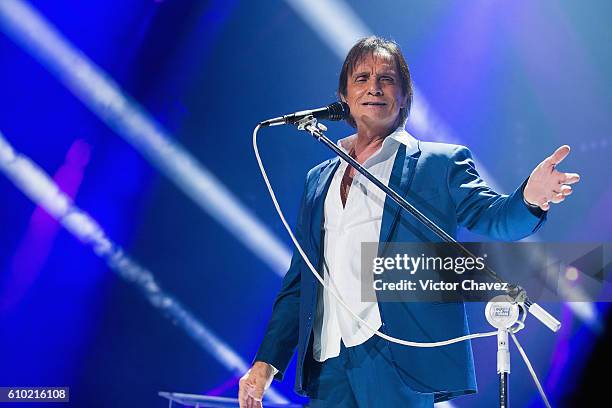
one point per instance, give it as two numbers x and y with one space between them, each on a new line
338 111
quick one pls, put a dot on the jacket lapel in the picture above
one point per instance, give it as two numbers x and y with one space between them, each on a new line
401 178
322 186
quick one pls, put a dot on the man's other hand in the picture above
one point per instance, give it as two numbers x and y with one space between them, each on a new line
253 385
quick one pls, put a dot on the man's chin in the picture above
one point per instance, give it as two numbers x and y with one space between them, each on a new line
377 123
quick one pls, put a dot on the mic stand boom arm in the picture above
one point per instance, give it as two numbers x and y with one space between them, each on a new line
516 292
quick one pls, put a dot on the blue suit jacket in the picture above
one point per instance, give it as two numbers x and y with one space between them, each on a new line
441 181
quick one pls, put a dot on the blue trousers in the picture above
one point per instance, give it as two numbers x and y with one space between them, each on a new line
362 376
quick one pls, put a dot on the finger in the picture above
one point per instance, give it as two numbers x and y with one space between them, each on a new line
545 206
569 178
557 198
255 392
558 156
251 402
242 395
255 396
565 190
254 402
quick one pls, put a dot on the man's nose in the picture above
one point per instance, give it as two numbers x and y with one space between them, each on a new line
375 88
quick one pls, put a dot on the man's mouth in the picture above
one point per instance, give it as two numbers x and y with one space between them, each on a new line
374 103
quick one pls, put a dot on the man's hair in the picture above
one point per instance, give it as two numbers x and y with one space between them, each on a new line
369 46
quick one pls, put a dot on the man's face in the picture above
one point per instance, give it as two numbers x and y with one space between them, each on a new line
374 93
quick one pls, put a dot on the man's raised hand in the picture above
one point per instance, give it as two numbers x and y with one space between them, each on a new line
546 184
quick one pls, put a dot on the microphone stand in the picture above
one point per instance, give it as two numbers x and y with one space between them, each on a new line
506 316
516 296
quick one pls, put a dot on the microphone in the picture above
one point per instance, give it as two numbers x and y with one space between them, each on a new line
334 111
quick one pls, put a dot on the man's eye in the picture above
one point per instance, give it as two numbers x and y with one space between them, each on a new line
386 78
360 79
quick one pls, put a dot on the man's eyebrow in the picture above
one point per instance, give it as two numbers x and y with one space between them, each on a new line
390 71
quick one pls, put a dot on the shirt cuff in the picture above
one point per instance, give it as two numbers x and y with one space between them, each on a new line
533 208
528 204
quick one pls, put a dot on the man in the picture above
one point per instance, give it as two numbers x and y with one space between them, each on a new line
340 362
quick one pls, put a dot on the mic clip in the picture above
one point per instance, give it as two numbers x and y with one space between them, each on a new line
310 122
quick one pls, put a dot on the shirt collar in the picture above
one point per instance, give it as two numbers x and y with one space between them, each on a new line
400 135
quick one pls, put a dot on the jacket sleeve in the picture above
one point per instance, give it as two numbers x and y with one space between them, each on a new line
482 210
281 335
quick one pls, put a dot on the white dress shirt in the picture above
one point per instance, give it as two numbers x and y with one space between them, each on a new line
345 229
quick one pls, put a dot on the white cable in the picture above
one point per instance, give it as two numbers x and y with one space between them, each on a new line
531 371
336 296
